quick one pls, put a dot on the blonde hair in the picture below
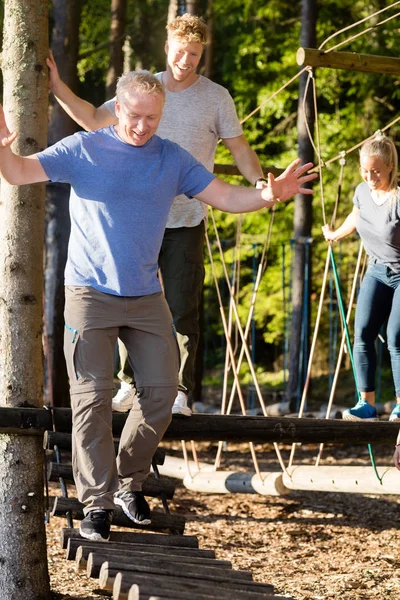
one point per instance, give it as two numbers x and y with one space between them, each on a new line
141 81
188 28
382 146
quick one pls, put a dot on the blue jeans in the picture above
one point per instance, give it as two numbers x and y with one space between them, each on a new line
378 301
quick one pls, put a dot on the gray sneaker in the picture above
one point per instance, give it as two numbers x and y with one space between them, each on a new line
135 506
96 525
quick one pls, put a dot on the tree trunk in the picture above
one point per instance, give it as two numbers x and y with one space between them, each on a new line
23 572
117 34
65 45
302 219
209 49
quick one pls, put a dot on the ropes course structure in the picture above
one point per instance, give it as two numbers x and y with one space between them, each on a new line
206 477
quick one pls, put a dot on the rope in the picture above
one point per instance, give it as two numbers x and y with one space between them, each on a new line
355 24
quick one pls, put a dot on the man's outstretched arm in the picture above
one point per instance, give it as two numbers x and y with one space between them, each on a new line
17 170
237 199
85 114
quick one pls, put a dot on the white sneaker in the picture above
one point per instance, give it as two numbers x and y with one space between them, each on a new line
180 406
123 399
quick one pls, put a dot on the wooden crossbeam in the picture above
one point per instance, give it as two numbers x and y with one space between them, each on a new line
349 61
159 521
213 428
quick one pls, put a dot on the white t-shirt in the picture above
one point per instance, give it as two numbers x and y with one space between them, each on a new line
195 118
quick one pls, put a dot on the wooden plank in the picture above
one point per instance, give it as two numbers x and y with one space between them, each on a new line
64 442
95 559
122 582
159 521
233 428
146 592
349 61
151 487
126 549
347 479
136 537
233 170
165 568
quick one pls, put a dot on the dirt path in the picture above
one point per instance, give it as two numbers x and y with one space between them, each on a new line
311 545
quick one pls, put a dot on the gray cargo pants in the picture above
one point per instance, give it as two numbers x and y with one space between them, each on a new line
93 322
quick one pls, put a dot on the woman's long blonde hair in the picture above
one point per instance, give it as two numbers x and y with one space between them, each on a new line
383 146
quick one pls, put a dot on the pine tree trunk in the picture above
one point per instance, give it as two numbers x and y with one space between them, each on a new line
117 34
302 217
23 570
65 45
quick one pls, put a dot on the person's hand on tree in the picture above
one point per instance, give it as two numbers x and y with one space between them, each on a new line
54 76
289 183
6 137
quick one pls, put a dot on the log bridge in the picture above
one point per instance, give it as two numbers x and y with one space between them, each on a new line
142 564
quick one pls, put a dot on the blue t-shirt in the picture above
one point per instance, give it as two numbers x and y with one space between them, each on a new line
119 203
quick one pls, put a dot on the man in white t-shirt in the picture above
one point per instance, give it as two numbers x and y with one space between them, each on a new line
197 113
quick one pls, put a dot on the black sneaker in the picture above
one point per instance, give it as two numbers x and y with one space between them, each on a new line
135 506
96 525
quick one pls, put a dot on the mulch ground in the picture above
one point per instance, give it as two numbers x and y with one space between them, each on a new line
310 545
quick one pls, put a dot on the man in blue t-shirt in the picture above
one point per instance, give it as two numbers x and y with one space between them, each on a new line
123 181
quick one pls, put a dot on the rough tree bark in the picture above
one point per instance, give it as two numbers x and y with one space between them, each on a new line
65 45
117 35
23 565
302 210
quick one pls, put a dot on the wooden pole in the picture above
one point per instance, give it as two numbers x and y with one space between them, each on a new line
159 521
151 487
228 482
135 537
349 61
359 480
116 548
213 428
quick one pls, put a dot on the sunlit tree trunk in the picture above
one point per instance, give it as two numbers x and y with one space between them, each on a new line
117 35
23 565
64 44
302 216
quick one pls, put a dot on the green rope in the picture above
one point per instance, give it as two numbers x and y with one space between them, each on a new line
346 329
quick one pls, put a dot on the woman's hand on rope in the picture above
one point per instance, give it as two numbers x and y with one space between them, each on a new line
289 183
6 137
329 233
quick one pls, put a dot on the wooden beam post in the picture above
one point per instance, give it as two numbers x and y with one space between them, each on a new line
349 61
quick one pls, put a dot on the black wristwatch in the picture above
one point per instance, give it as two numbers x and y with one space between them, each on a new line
260 179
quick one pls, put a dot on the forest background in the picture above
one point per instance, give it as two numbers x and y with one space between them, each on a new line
253 54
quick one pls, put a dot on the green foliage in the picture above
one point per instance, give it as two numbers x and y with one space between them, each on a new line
255 46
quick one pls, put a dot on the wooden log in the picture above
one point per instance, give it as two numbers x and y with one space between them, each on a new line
151 487
348 479
93 561
349 61
125 549
226 482
144 592
233 428
125 580
159 521
63 441
134 537
233 170
166 568
178 468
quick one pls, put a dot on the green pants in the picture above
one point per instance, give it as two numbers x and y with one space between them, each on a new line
181 263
